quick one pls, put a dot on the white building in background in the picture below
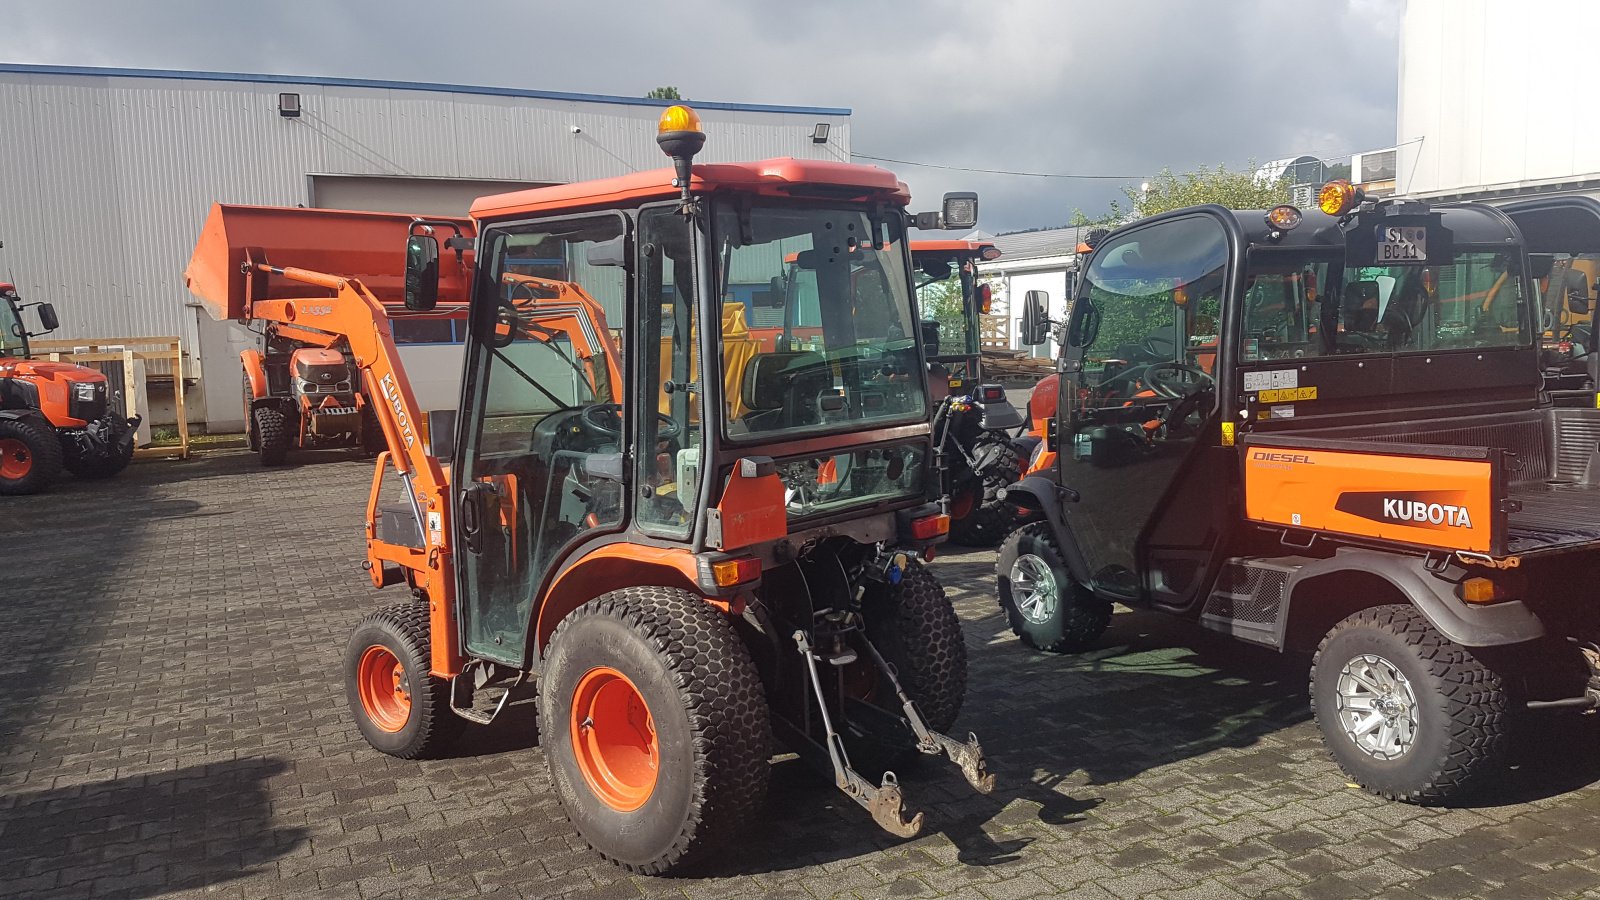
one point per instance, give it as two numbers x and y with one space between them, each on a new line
1492 98
1044 260
107 175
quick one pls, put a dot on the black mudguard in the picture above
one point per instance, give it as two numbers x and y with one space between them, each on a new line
1043 497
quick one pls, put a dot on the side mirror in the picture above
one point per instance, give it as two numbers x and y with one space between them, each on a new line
422 272
960 210
1035 318
47 318
930 337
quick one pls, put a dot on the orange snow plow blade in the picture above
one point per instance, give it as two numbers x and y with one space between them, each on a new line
366 246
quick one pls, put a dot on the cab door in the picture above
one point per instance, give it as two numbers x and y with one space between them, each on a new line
1141 410
542 431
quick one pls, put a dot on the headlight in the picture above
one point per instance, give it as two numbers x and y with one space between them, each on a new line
308 387
83 390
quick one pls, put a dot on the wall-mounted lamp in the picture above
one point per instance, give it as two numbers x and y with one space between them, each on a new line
289 106
819 134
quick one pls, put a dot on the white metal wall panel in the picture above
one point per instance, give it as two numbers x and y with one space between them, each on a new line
1490 95
106 178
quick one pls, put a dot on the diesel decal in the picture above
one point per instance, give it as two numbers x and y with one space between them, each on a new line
1274 456
1437 510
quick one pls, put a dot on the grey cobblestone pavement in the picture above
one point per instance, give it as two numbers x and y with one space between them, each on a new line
172 723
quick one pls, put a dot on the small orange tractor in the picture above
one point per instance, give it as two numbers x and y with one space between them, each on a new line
303 393
53 415
974 421
685 541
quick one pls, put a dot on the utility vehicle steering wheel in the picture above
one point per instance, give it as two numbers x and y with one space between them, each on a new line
1159 346
605 420
1172 380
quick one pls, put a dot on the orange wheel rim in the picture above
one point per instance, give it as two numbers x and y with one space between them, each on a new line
614 739
381 682
15 460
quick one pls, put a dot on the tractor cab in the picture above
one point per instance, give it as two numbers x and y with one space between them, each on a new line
1563 240
14 331
952 301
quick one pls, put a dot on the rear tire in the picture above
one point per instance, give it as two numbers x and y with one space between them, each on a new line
660 675
991 518
249 417
915 627
1407 713
30 456
400 707
272 434
1047 609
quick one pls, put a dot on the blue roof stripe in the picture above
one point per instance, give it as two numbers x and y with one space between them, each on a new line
109 72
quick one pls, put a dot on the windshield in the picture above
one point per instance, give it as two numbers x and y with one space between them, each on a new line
13 339
1299 305
834 344
945 287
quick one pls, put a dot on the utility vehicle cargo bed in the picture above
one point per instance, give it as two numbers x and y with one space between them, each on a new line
1503 485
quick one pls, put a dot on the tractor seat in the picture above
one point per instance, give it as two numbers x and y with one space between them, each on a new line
788 380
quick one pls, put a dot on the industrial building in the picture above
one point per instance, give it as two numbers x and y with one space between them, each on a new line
109 173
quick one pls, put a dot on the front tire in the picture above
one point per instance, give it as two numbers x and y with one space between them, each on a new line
272 434
1046 608
30 456
1407 713
399 706
655 727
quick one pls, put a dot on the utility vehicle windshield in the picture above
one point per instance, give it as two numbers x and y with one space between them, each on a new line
1298 305
836 343
13 337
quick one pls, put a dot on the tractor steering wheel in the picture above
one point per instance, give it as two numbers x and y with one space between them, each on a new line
605 420
1176 380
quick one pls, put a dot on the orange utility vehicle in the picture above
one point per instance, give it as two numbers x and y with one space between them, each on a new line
689 543
53 415
1324 431
303 392
974 421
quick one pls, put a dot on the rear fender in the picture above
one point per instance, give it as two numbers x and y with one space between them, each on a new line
1041 494
607 568
1493 625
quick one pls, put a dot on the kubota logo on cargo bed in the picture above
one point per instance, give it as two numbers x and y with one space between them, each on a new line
1437 510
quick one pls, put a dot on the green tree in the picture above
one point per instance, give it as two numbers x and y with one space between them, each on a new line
1241 189
665 92
941 302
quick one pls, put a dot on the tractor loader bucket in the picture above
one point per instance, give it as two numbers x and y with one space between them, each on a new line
366 246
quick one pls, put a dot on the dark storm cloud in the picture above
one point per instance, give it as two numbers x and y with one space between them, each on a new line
1080 87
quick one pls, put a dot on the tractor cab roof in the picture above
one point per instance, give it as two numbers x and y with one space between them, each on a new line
783 177
975 247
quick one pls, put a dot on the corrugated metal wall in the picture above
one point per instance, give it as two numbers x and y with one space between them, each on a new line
105 180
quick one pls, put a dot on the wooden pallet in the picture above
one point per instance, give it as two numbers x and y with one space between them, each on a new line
87 351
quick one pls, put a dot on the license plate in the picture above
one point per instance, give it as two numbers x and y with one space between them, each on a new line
1402 244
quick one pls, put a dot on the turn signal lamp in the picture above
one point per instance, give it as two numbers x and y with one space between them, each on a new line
1283 218
1338 197
985 298
729 572
991 253
1480 590
929 527
678 118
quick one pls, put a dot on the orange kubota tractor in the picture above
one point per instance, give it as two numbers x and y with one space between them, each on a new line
53 415
687 541
304 393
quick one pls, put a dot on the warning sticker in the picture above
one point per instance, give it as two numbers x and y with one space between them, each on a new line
1287 395
1277 379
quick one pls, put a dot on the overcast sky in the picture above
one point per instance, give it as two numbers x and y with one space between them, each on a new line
1100 88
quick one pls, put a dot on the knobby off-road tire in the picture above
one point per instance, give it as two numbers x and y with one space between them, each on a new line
1458 705
372 440
692 683
1046 608
991 518
272 434
95 467
30 456
915 627
250 418
421 724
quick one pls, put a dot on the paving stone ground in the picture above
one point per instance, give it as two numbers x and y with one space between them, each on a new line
172 723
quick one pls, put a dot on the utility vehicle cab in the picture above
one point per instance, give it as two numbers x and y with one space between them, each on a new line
1563 239
1323 430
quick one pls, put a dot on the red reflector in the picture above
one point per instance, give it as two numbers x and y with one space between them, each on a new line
991 393
929 527
729 572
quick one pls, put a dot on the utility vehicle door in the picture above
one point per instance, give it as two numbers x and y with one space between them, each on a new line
539 459
1139 408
